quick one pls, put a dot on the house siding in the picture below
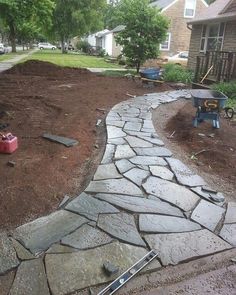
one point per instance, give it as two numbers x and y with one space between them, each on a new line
180 34
194 48
231 7
116 49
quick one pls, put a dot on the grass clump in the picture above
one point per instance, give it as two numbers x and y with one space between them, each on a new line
177 73
229 89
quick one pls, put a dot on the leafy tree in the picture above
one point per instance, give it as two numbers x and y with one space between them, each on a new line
145 29
111 15
16 13
76 17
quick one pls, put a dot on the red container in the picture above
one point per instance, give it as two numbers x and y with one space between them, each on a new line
8 143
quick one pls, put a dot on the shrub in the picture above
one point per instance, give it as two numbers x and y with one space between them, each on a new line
83 45
177 73
229 89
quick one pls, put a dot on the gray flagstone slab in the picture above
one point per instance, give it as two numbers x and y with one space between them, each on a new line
176 247
154 151
230 216
148 160
106 171
39 234
161 172
116 123
183 174
132 119
22 253
8 259
89 207
138 133
58 248
108 155
86 237
148 130
165 224
137 142
148 124
7 279
122 227
140 205
124 165
117 141
198 190
30 279
114 186
114 132
154 141
124 151
171 192
207 214
228 233
137 175
90 271
133 126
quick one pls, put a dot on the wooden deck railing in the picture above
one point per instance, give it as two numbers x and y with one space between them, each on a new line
221 63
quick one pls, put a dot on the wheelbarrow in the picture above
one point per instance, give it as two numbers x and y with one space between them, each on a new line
209 103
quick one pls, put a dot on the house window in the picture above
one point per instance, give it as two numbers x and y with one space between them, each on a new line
166 45
212 37
189 9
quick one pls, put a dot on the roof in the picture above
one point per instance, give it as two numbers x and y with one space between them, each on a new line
101 33
216 11
118 29
161 3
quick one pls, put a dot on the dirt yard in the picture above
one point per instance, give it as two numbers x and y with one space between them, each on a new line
210 152
38 97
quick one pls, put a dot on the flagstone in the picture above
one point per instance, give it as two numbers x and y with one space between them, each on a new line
140 205
228 233
124 151
124 165
114 132
8 258
122 227
207 214
86 237
154 151
90 271
230 216
132 126
148 160
137 142
106 171
30 279
90 207
183 174
161 172
177 247
115 186
208 196
39 234
165 224
171 192
108 155
137 175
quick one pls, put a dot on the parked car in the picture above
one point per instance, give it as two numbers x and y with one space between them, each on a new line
180 58
3 49
45 45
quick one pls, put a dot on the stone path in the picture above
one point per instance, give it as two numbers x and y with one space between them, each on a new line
140 198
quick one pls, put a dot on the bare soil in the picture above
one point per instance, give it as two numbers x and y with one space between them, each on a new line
38 97
208 151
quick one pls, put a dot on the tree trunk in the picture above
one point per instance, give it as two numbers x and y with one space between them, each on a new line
63 48
137 67
12 37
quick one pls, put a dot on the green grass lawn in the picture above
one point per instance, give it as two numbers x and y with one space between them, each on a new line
71 59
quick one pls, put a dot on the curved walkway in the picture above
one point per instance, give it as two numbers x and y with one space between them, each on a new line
140 198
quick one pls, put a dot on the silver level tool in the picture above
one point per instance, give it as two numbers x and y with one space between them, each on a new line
128 274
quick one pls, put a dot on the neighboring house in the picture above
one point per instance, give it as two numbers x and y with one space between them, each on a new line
106 40
213 40
178 12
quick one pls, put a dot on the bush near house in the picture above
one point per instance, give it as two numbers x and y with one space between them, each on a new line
229 89
177 73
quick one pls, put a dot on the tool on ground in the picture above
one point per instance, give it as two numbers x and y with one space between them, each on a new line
8 143
127 275
207 73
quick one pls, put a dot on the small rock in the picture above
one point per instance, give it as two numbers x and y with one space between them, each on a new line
11 163
201 134
217 197
98 122
96 146
110 269
212 135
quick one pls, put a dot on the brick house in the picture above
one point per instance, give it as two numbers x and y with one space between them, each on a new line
179 12
213 40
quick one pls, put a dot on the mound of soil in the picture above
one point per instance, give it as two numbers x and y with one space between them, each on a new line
209 151
36 98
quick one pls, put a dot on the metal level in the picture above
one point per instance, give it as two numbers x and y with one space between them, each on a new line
128 274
